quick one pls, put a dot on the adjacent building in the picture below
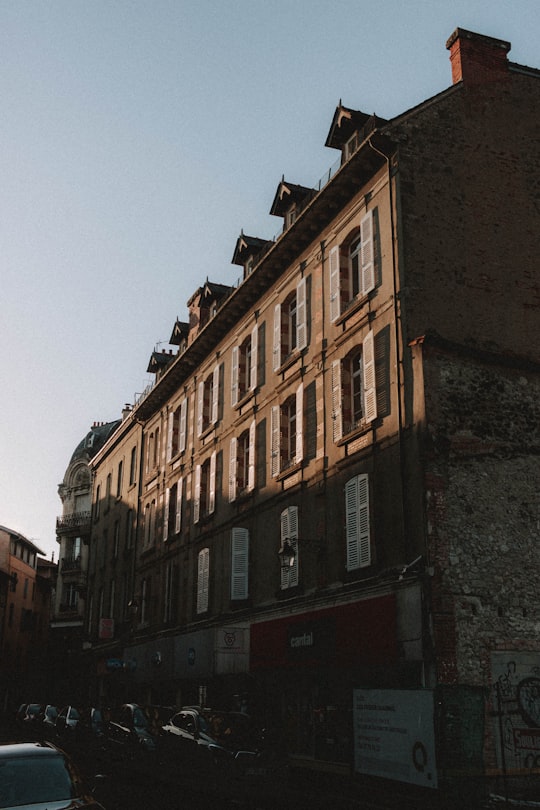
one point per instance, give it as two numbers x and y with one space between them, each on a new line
326 507
73 534
26 584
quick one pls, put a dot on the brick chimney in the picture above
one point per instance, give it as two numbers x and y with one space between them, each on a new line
477 59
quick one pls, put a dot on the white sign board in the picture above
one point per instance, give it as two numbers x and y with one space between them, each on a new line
394 736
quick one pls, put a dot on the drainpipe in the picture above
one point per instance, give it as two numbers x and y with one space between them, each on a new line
397 342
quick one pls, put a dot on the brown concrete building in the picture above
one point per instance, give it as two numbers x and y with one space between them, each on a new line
337 516
26 584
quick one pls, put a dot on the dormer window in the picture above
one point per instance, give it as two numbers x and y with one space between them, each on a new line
351 146
290 216
248 267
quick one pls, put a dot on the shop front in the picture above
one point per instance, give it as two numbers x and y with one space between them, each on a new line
307 665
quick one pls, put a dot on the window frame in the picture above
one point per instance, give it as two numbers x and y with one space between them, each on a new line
290 318
341 268
342 389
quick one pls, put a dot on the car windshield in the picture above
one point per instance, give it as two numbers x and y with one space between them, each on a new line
31 780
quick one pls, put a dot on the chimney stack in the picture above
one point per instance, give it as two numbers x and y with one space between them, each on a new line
477 59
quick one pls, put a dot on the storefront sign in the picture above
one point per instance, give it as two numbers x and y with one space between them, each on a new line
353 634
312 638
394 735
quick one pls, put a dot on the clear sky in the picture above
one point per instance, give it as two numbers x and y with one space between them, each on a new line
137 139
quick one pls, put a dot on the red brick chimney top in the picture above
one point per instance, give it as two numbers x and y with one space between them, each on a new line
477 59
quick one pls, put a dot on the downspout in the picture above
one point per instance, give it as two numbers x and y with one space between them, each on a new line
397 343
425 583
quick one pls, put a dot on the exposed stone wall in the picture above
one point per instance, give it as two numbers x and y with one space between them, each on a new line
483 511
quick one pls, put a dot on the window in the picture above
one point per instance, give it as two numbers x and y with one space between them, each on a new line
208 401
286 439
70 597
108 486
357 522
205 488
352 268
244 368
289 535
172 520
290 216
170 592
242 463
112 594
149 524
239 563
177 432
129 529
351 146
116 539
133 466
203 570
119 479
73 549
354 401
290 325
146 600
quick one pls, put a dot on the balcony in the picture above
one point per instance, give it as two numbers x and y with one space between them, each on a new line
77 521
70 564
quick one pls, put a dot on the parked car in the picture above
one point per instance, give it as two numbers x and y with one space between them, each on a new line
67 721
47 719
230 730
40 776
128 730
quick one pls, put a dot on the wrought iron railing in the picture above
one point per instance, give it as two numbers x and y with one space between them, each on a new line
74 521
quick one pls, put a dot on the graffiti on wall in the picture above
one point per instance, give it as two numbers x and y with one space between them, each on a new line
516 709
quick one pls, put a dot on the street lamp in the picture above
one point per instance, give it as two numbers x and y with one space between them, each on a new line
288 552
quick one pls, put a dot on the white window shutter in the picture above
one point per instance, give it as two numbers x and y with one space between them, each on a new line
170 431
215 395
253 371
299 448
289 533
301 315
274 440
239 563
276 353
363 521
166 514
212 499
178 513
333 263
232 470
367 263
370 393
337 416
202 580
183 425
234 375
251 456
357 522
200 407
284 528
197 495
293 538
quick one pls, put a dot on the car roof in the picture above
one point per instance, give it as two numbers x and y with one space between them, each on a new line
25 749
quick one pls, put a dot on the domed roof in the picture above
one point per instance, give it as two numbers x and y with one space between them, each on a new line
94 440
